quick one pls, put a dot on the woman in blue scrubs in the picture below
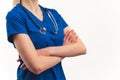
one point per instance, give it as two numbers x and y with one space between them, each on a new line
43 39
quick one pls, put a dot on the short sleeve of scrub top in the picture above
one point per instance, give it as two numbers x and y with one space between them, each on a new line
15 25
18 22
62 21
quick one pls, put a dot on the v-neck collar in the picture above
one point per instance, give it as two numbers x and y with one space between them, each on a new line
33 16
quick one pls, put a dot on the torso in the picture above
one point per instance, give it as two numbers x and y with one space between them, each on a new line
41 41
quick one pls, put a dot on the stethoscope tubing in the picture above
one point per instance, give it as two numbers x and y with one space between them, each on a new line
43 29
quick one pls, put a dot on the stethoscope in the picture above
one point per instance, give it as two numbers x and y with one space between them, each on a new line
43 30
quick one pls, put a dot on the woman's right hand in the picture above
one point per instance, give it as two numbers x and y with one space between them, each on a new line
22 65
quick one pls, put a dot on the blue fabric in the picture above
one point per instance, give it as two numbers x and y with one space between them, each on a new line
18 22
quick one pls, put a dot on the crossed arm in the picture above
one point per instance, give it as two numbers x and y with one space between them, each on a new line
40 60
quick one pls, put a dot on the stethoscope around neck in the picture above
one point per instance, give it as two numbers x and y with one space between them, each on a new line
43 30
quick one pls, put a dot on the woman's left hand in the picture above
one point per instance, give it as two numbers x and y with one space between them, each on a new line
70 37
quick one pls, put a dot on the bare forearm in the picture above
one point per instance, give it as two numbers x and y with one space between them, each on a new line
47 62
68 50
65 50
42 62
34 62
73 46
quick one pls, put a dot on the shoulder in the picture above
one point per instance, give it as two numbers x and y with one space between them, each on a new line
15 13
53 11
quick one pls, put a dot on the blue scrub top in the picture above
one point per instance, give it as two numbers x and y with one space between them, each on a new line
18 22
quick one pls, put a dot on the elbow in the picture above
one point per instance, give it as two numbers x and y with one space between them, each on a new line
81 48
83 51
37 71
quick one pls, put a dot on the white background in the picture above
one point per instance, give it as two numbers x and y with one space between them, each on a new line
94 21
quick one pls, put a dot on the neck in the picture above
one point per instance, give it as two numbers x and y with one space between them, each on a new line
31 5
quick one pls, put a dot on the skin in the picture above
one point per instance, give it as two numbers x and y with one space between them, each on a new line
40 60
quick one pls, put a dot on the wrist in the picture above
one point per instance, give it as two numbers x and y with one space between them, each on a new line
44 51
51 51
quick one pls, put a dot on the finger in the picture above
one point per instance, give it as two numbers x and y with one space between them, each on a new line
66 42
66 38
22 65
74 36
66 34
75 39
25 68
19 59
69 37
